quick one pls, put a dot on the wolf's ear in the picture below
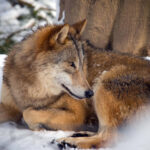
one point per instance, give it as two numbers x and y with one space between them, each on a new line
61 36
78 28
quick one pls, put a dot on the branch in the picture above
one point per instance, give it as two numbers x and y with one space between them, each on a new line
34 5
28 25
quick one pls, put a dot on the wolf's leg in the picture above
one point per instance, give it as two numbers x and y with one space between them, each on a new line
65 114
52 119
9 114
101 139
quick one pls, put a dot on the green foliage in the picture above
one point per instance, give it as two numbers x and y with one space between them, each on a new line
6 46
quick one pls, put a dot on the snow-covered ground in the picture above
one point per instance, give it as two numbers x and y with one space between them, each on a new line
17 137
13 137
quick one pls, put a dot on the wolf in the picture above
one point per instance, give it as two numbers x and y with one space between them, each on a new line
37 74
54 61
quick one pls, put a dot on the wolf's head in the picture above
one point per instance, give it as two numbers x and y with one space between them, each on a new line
61 60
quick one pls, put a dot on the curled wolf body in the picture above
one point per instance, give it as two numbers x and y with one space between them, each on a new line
121 84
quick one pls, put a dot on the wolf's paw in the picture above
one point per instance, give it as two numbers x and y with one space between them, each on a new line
62 145
81 143
66 142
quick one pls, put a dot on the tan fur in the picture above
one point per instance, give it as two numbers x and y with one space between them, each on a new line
121 83
65 114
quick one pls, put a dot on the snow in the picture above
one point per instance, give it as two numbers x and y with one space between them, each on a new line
147 58
137 135
2 60
13 137
9 15
10 23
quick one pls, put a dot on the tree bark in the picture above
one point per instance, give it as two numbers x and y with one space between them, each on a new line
121 25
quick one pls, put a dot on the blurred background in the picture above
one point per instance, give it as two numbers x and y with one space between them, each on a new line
19 18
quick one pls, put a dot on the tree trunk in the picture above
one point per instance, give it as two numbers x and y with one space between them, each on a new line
121 25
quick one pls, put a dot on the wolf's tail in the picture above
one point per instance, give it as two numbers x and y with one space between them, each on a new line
8 113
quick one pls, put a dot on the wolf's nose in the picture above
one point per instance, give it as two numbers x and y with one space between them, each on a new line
89 93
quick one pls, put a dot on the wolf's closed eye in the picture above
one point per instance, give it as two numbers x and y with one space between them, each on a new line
73 65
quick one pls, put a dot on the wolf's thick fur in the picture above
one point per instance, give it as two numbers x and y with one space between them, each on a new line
34 83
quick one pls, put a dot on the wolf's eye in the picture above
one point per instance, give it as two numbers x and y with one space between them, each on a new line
73 65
